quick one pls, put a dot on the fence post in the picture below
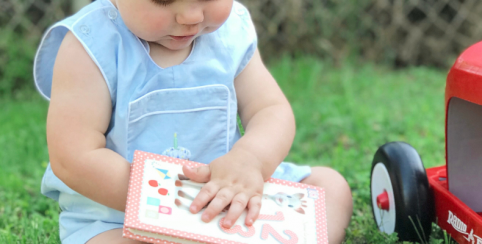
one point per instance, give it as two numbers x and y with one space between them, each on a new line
78 4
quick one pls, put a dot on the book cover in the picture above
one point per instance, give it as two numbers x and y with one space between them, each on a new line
159 197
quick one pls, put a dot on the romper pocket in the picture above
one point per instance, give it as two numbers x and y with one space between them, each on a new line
199 116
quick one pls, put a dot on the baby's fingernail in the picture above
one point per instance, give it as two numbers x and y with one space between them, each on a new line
205 218
227 224
193 209
250 222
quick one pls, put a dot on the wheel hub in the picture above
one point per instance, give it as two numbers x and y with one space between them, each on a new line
382 201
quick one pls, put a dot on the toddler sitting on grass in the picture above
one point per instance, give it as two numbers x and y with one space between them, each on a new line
125 75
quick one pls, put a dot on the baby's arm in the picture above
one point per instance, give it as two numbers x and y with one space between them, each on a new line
266 116
78 117
237 178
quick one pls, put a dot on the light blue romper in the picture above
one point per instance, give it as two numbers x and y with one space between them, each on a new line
195 100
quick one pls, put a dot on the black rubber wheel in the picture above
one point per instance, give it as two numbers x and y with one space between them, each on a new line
399 181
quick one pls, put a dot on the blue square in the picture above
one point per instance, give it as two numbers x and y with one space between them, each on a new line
153 201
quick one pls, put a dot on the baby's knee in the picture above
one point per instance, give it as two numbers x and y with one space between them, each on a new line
338 199
335 185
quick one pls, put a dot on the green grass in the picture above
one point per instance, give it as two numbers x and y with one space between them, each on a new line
343 115
26 216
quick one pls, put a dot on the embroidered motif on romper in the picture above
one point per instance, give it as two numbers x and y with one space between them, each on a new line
176 151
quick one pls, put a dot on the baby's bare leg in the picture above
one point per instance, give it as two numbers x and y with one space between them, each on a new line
339 205
112 236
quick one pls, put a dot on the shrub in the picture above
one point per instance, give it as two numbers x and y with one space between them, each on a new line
16 61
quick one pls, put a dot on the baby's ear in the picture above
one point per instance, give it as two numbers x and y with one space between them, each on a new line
299 195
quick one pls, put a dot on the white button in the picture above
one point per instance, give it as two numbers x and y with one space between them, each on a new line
240 11
112 14
85 29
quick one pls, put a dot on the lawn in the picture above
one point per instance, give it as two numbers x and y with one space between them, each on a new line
343 114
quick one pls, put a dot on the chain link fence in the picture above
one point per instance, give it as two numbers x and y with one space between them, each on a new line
30 18
399 32
402 32
426 31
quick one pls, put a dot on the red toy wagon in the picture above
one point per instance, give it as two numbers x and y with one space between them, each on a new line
406 198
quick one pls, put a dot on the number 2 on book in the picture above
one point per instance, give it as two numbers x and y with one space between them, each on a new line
278 216
266 229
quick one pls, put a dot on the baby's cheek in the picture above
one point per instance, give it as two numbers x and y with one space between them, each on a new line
157 27
151 29
146 22
221 13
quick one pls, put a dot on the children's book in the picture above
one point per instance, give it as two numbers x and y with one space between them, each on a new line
159 197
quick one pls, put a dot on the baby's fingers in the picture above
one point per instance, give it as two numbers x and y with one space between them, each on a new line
222 199
207 193
199 174
254 207
235 210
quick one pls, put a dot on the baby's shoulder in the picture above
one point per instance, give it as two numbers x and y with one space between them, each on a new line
96 11
238 37
239 20
93 31
238 32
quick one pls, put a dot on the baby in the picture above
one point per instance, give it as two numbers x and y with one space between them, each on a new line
125 75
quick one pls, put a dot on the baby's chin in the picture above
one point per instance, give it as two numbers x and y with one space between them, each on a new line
174 45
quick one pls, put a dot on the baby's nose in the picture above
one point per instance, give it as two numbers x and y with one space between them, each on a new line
190 16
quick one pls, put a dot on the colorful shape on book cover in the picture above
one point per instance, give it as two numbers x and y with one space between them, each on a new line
237 229
162 191
267 230
278 216
153 201
284 200
153 183
165 210
152 214
312 193
164 173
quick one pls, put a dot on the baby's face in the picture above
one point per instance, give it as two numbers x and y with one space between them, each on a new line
173 24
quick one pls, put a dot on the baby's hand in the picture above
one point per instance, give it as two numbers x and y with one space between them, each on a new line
235 179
